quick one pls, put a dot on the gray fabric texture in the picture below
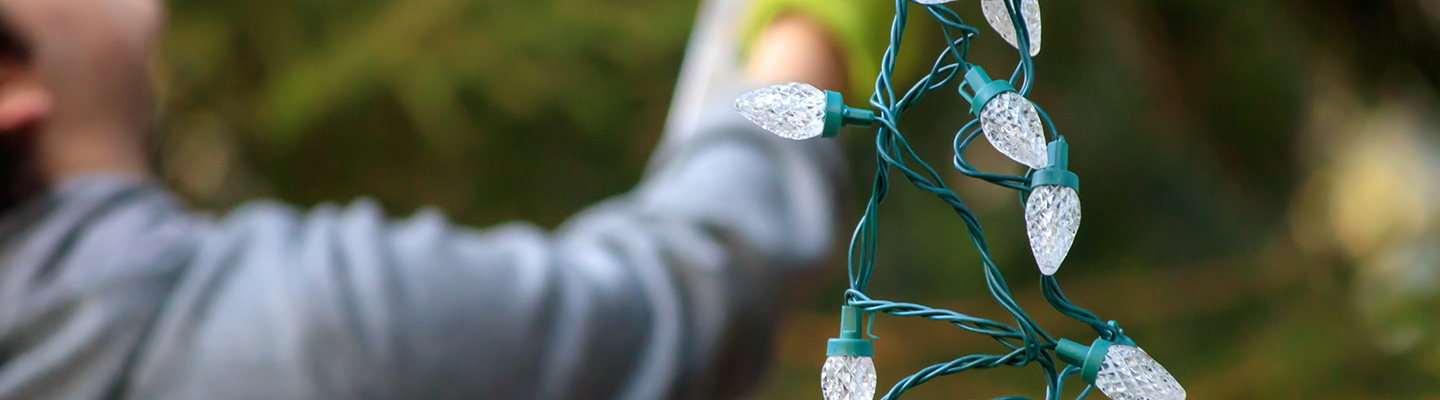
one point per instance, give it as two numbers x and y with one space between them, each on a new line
110 288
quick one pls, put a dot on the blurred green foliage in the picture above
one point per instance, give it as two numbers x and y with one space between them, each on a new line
492 110
1227 223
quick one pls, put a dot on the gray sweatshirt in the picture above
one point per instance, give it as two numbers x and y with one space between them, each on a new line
110 288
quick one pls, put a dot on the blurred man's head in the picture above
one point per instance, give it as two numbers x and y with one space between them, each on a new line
75 89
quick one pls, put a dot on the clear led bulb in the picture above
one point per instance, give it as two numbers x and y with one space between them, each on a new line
1129 374
1012 125
999 18
1121 371
791 110
848 378
1052 216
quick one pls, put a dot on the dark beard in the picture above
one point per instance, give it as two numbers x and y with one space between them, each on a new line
20 176
19 173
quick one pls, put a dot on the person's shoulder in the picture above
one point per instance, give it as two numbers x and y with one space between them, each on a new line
272 222
271 214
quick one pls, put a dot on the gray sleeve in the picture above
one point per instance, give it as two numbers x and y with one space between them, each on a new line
669 291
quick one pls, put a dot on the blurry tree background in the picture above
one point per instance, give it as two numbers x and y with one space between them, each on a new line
1261 178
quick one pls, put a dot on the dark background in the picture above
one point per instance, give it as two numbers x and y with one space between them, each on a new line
1261 178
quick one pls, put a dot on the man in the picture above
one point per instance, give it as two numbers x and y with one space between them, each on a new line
109 288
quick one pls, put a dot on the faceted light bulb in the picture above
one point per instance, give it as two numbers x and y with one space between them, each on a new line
1012 126
1130 374
791 110
999 19
1052 215
848 378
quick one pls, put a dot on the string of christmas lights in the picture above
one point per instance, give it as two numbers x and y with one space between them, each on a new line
1016 128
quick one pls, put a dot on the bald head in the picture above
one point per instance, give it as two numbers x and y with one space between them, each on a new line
75 85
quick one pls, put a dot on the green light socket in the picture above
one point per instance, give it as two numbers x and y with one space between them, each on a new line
838 115
983 89
850 343
1089 358
1058 172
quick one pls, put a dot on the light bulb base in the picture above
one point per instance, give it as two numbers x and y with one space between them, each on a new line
850 343
849 348
838 115
1089 358
982 89
1058 172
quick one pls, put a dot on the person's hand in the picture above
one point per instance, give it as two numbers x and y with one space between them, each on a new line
797 49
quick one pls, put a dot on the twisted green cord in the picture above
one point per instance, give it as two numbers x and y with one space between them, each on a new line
1026 341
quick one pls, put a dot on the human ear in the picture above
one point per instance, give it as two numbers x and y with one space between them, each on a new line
22 101
22 104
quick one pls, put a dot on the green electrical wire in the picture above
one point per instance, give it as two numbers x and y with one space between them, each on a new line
1026 342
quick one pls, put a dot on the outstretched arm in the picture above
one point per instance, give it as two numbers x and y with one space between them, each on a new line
664 292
